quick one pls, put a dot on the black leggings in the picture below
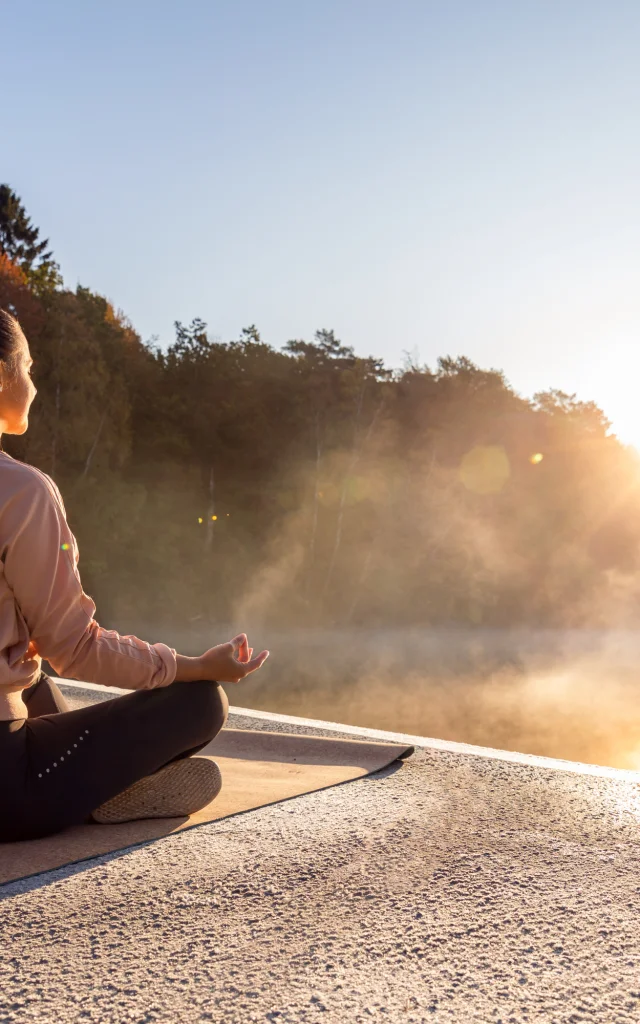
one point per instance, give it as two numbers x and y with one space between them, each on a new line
57 765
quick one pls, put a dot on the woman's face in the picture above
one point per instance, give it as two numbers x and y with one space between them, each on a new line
17 390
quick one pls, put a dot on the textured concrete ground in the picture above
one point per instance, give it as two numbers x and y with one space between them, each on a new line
454 887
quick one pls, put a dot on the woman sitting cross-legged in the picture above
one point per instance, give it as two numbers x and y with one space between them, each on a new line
117 760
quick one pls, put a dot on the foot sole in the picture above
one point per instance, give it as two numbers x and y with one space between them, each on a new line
179 788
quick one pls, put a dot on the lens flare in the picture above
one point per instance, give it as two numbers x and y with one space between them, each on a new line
64 547
485 469
536 459
200 519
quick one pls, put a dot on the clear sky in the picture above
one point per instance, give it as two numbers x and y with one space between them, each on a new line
456 177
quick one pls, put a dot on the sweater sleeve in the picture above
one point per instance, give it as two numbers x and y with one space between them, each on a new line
41 567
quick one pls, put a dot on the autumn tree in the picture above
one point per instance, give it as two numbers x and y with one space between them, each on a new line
20 241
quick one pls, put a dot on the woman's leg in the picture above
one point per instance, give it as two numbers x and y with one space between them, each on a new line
44 698
77 760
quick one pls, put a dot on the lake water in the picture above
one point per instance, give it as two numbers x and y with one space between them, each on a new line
573 695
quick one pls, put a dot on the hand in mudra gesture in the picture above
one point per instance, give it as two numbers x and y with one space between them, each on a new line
231 662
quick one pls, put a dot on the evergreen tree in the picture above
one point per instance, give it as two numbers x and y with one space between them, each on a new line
20 241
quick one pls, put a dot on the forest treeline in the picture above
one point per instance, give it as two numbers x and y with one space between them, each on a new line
307 485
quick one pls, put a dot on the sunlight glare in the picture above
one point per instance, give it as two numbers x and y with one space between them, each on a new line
485 469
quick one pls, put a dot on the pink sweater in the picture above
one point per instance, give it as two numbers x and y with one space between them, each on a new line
42 601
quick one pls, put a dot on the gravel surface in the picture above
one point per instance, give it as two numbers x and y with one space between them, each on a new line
447 888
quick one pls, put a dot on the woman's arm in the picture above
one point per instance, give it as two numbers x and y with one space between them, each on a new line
40 561
40 558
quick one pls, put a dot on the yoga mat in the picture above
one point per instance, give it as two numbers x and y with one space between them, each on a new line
258 768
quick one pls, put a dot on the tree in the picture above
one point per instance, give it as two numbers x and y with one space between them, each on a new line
20 241
250 335
185 468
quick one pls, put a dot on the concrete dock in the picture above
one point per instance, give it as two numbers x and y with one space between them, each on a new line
460 885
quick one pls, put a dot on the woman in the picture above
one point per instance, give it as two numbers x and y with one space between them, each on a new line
117 760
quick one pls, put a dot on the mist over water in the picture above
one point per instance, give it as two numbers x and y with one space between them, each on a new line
526 568
571 694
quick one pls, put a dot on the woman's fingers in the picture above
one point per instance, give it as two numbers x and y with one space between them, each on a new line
250 666
240 646
257 661
29 659
241 656
239 672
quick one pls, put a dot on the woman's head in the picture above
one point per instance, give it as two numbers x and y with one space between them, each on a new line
17 390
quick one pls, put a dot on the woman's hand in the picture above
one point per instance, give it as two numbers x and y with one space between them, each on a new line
226 663
30 659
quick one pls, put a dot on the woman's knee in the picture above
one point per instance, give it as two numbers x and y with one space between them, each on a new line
212 704
198 710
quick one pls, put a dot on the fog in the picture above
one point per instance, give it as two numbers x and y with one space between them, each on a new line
570 694
510 530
